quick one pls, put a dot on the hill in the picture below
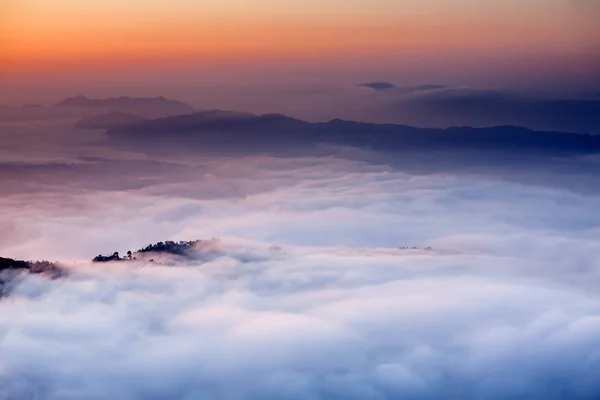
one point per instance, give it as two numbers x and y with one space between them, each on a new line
10 269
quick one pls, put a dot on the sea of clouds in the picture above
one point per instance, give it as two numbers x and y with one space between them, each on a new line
308 294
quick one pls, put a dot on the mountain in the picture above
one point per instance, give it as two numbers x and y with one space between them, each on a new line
219 132
147 107
12 270
113 119
214 120
229 131
182 249
79 107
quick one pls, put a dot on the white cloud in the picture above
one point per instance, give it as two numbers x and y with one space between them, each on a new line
305 323
506 305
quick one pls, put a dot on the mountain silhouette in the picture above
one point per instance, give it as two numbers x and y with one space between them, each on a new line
220 130
11 269
438 106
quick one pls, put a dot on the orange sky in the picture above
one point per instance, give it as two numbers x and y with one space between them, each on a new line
41 36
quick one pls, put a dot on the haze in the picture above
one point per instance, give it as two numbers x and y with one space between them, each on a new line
56 48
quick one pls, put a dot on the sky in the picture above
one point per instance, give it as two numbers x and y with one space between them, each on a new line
487 42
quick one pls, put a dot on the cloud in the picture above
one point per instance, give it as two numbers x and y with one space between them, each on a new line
307 295
305 323
378 85
422 88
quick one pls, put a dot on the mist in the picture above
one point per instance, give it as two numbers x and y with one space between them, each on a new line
337 272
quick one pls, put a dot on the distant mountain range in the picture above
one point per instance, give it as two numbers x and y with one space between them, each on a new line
111 108
149 107
430 105
434 105
223 130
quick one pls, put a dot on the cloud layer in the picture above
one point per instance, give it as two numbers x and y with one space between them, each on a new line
301 324
309 295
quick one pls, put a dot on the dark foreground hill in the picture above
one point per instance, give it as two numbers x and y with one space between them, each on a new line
11 269
182 248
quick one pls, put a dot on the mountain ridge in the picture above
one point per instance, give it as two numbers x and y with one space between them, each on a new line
220 128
